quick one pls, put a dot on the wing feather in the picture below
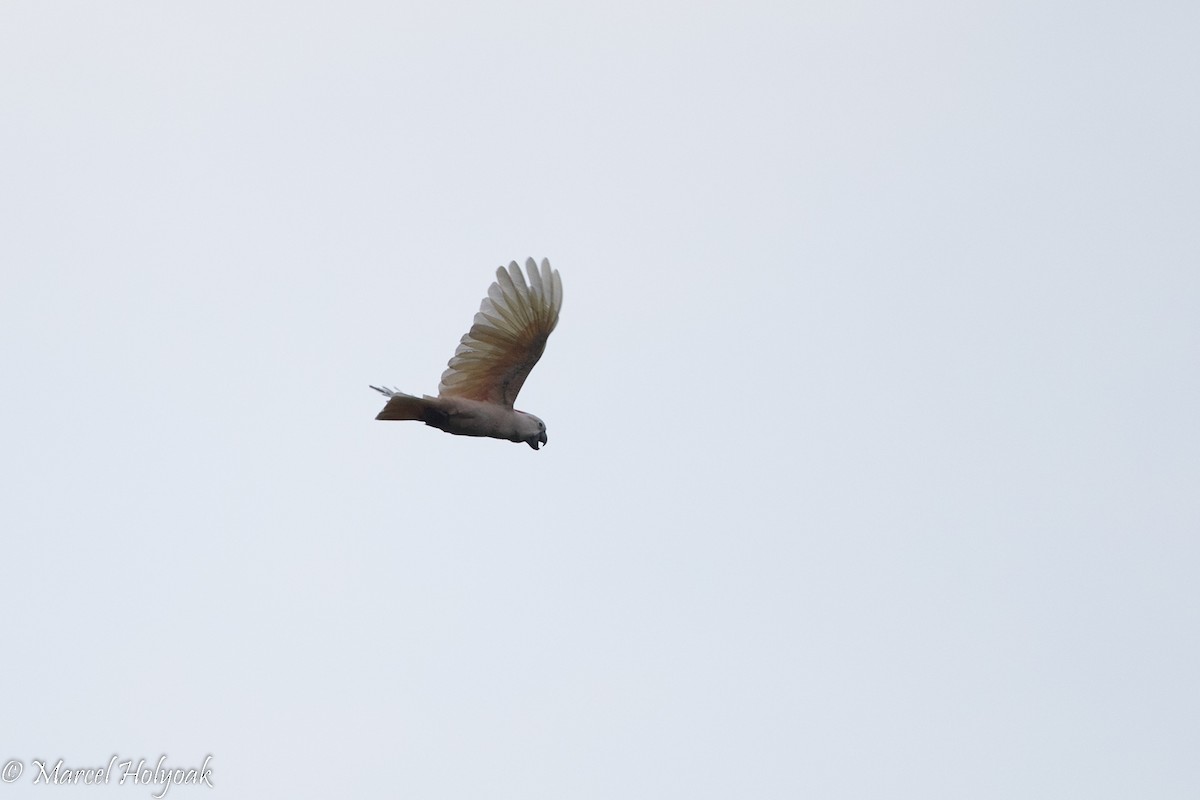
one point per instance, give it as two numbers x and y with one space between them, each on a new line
507 336
535 285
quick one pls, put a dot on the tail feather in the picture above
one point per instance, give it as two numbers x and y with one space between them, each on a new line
401 405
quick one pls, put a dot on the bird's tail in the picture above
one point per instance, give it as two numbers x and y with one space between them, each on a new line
401 405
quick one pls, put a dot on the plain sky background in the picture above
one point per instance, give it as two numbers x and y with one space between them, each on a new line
874 448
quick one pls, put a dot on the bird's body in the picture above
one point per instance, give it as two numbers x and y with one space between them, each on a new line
461 416
477 390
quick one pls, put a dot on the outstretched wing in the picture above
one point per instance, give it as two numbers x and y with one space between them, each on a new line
507 337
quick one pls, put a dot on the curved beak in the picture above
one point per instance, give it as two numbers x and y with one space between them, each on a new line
542 437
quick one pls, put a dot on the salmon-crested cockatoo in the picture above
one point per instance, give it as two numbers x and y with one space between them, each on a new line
477 390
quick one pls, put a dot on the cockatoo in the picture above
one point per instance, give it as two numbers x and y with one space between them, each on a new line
507 337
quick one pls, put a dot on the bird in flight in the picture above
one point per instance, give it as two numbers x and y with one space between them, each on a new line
507 337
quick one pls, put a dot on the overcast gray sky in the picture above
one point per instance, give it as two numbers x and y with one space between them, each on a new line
874 450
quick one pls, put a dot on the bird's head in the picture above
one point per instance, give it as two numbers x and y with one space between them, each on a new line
530 430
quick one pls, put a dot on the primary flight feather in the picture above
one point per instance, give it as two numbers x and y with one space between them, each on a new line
480 385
